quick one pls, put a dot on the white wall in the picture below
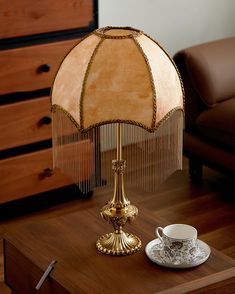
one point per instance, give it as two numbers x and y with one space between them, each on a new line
175 24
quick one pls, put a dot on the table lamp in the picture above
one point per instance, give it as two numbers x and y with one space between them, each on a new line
117 91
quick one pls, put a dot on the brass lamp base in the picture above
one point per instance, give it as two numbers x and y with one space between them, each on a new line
118 212
118 243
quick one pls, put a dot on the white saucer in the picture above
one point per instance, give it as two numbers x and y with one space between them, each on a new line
154 252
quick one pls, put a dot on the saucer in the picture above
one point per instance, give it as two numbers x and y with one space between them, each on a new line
154 251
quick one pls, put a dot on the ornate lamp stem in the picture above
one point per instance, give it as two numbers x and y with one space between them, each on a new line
118 211
119 165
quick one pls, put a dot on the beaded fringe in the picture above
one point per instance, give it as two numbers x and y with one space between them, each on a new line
86 157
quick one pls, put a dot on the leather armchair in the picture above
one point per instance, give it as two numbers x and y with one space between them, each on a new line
208 75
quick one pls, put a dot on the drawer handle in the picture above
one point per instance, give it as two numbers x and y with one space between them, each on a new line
45 274
46 120
44 68
47 172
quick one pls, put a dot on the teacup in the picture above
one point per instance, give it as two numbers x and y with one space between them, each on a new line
179 243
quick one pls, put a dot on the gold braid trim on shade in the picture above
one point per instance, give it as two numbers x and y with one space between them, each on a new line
172 61
151 80
85 80
80 40
102 32
79 128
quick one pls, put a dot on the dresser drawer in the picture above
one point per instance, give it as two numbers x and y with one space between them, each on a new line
28 17
25 122
30 174
24 175
31 68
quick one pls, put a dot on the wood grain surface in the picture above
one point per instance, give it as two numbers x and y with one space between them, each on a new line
27 17
209 206
80 268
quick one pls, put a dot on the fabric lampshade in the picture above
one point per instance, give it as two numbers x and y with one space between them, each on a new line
117 75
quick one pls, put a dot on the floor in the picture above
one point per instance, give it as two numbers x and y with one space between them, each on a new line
209 206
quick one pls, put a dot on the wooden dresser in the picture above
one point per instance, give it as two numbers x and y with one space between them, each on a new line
34 38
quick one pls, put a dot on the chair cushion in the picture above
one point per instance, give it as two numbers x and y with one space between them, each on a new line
218 124
211 69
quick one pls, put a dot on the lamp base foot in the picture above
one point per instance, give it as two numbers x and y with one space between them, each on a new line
118 243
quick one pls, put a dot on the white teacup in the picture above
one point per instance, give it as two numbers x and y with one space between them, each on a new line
179 243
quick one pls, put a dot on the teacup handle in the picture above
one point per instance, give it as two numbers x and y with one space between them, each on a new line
159 231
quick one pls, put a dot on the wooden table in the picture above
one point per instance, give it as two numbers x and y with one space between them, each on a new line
80 268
